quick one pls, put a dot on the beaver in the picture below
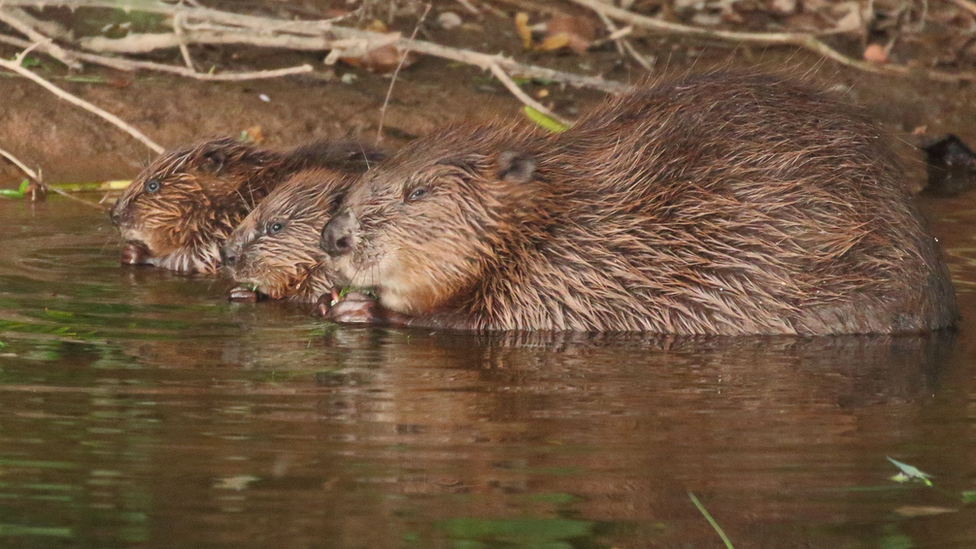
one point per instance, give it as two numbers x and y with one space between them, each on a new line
723 203
275 250
178 211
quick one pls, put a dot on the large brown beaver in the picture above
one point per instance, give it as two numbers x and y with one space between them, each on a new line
177 213
719 204
275 250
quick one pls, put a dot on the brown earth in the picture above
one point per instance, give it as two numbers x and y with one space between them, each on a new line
72 145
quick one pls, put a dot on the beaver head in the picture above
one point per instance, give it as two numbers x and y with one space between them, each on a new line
179 211
275 249
175 213
421 227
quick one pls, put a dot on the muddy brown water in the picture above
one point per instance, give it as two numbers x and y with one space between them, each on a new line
140 409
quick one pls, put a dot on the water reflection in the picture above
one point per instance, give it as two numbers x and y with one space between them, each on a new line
138 408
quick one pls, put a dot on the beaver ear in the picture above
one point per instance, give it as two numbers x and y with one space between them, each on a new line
214 160
515 166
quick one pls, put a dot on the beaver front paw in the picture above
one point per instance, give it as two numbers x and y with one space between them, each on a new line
135 253
352 308
241 294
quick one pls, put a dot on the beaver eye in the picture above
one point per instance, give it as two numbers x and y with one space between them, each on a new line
275 228
416 194
151 186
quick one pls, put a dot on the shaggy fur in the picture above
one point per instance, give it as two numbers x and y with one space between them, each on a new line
205 190
275 249
721 204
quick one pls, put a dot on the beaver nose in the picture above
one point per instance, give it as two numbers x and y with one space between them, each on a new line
115 215
228 257
337 235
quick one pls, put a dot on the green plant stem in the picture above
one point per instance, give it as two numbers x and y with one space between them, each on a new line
718 529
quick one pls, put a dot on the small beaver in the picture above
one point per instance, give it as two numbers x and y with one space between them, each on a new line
177 213
721 204
275 249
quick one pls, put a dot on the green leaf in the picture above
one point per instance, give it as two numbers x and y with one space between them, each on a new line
10 193
23 186
909 473
969 496
543 121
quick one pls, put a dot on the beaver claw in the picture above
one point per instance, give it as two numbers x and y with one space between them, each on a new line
353 308
241 294
135 253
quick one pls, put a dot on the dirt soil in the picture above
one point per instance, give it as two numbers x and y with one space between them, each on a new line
72 145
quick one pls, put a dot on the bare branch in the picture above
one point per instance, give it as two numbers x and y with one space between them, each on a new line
524 97
23 167
132 65
15 66
805 41
232 28
52 49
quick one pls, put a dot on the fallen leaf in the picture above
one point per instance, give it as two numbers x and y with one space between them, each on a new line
253 135
522 22
382 60
580 31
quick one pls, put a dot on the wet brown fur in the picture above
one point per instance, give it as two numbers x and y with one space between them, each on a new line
288 263
721 204
206 189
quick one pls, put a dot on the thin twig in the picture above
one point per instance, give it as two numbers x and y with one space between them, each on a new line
524 97
132 65
305 35
389 91
805 41
624 45
185 51
50 47
36 176
23 167
16 67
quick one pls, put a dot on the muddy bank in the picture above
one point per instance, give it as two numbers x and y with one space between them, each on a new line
72 145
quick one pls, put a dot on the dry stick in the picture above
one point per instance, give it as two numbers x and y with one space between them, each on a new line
23 167
140 43
623 43
16 67
389 91
185 51
24 27
37 178
524 97
805 41
309 35
130 65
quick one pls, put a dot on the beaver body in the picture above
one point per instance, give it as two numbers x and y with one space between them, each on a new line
722 204
275 250
177 213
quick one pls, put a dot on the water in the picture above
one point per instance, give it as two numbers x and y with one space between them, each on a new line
140 409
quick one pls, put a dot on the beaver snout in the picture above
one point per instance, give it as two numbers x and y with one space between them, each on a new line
115 214
338 235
